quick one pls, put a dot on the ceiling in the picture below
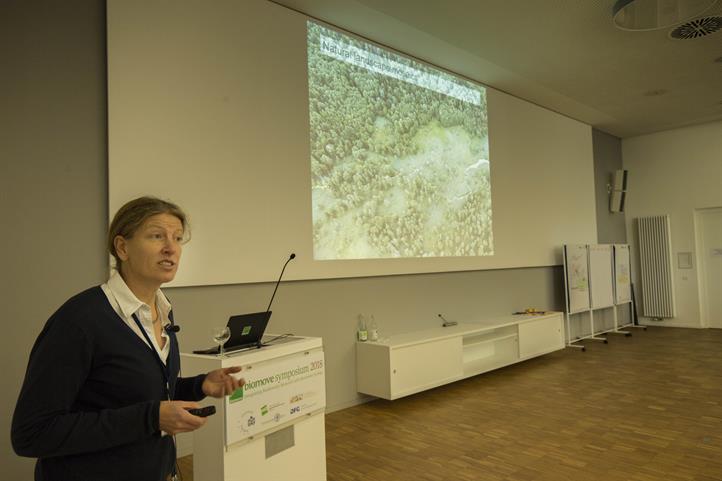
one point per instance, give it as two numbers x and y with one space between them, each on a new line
565 55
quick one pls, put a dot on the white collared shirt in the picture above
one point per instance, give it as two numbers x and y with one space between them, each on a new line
126 304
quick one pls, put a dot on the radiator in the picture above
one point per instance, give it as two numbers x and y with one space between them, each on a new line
655 257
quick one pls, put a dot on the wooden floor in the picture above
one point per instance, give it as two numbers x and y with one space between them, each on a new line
643 408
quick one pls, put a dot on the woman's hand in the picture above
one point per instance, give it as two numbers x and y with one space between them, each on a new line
174 417
220 383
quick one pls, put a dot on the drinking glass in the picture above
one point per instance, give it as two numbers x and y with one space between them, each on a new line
221 336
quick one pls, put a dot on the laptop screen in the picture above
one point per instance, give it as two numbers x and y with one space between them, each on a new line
247 328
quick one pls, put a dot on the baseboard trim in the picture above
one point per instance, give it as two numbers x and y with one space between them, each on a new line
669 323
363 399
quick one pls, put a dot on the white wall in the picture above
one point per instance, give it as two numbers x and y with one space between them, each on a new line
674 172
53 195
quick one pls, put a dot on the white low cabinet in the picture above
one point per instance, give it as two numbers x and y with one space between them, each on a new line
408 363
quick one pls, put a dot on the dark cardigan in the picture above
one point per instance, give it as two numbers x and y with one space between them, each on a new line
89 405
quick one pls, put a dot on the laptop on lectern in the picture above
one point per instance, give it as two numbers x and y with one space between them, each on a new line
246 331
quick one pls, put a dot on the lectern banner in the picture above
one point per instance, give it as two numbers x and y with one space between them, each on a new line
275 392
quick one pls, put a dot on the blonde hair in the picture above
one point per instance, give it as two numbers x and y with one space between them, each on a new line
131 216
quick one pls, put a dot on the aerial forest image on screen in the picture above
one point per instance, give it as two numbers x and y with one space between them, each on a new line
399 155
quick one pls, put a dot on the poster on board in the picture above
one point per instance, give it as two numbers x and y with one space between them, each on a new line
577 277
622 274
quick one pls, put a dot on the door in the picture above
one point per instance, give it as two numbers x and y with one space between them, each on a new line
541 336
426 365
709 257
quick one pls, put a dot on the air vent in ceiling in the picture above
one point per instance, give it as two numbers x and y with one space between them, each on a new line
699 27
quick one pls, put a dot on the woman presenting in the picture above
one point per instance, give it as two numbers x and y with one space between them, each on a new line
101 397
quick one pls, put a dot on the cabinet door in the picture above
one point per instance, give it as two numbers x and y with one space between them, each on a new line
540 336
424 366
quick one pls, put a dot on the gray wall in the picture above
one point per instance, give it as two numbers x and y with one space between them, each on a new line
52 176
53 192
611 227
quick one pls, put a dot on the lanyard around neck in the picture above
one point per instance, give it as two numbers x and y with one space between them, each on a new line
161 364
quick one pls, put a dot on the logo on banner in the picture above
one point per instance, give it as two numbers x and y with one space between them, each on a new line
247 420
236 396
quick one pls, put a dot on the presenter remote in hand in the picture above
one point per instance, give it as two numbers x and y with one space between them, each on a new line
102 393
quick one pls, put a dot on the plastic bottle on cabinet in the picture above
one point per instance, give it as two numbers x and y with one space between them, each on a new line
373 330
362 330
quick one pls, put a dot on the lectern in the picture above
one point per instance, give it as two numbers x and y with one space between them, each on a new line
271 429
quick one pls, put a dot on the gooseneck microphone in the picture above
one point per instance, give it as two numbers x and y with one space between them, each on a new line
290 258
446 323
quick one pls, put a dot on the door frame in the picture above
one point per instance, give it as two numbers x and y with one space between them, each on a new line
701 267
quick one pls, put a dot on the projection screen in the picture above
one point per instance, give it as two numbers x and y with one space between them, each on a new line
390 167
399 155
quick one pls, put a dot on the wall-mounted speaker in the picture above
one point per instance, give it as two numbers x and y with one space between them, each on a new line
618 191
